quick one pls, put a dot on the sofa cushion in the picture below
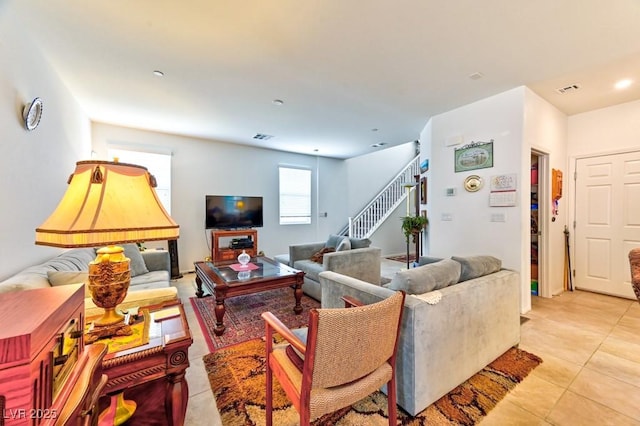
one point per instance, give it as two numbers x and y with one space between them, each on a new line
311 269
153 279
477 266
426 278
137 265
58 278
73 260
357 243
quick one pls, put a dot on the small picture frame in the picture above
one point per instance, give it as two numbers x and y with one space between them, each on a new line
423 190
424 166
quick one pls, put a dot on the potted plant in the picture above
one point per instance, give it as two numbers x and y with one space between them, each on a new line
413 225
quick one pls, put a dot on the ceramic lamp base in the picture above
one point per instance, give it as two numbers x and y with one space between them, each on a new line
109 278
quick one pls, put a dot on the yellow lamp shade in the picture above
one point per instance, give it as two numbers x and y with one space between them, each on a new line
107 203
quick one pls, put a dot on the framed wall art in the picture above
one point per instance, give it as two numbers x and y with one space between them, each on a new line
476 155
423 190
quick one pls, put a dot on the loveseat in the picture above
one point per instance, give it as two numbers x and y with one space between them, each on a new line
350 256
150 276
466 319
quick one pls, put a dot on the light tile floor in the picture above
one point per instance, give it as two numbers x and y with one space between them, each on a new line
590 344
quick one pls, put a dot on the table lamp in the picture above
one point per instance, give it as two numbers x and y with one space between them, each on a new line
108 203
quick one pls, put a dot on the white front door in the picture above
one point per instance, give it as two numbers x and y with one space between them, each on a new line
607 222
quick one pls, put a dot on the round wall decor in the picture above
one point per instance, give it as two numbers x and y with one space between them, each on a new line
32 113
473 183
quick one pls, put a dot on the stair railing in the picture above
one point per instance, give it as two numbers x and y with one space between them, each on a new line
365 223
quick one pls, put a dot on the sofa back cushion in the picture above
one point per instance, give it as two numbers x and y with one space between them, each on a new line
58 278
357 243
137 265
425 260
477 266
423 279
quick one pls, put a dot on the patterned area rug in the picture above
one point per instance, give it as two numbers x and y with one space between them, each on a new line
237 378
242 317
402 258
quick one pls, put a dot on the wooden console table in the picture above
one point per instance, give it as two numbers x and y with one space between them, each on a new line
153 374
220 253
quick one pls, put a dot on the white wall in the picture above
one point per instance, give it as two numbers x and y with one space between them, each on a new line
545 130
34 166
604 131
471 231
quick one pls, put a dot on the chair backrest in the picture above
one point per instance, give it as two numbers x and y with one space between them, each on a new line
347 344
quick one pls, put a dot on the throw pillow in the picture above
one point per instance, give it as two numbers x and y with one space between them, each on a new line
424 279
477 266
357 243
57 278
319 255
137 265
343 245
333 240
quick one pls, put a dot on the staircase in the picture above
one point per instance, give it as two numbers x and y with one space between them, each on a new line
365 223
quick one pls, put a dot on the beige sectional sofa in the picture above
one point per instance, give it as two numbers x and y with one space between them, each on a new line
447 334
150 276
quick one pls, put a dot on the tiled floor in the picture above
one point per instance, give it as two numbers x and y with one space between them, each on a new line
590 345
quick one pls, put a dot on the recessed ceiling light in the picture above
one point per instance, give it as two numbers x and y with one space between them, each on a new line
623 84
378 145
158 73
262 136
476 76
277 102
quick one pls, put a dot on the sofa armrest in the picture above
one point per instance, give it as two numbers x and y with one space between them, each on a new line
303 251
363 263
157 260
335 286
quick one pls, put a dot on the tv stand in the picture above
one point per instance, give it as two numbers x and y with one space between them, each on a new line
224 252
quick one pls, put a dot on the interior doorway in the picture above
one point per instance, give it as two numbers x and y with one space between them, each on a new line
539 218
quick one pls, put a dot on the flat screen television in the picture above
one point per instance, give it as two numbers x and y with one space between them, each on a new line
232 211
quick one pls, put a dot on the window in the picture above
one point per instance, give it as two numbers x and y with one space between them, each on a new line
295 196
159 165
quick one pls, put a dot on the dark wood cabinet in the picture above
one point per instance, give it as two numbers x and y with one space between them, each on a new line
221 240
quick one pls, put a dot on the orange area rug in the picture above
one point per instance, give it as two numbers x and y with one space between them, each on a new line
237 378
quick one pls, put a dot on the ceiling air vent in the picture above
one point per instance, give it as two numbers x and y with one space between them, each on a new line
568 89
262 137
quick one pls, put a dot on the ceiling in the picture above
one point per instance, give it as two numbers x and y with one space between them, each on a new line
350 74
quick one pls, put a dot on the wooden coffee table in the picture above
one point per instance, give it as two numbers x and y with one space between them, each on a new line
225 279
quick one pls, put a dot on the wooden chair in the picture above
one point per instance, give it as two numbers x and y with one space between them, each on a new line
634 262
349 354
